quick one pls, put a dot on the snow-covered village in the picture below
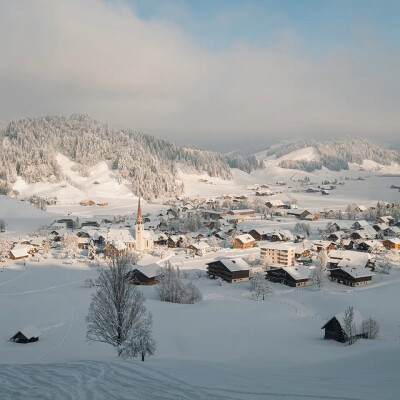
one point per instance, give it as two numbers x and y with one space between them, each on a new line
157 250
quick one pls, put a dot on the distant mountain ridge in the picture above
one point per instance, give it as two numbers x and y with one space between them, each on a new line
29 149
334 154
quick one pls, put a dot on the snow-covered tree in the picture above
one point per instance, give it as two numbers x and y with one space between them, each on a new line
140 342
370 328
214 243
92 250
46 247
323 259
303 228
172 289
117 312
5 247
260 287
349 326
319 277
2 225
387 260
70 245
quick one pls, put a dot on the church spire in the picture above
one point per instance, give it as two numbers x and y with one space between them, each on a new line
139 219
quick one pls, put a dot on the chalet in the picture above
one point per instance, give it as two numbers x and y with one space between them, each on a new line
27 335
37 242
68 221
312 190
348 258
347 244
115 249
388 220
295 276
352 276
279 204
381 228
361 208
311 217
236 219
371 246
243 241
393 231
360 224
299 213
175 241
160 238
334 328
144 275
392 244
93 224
260 233
247 212
319 245
83 242
232 270
340 226
335 236
199 248
19 253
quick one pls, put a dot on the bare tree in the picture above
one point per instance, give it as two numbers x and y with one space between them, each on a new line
117 311
323 259
370 328
46 247
303 227
5 247
2 225
260 286
319 277
214 243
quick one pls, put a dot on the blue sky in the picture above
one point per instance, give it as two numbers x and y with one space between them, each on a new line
317 25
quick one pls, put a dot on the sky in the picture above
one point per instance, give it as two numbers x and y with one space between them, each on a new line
218 74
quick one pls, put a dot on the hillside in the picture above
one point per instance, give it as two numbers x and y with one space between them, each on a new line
334 154
141 162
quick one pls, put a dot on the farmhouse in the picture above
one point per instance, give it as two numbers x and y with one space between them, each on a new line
334 327
87 203
232 270
279 204
199 248
20 252
144 275
243 241
348 258
352 276
27 335
298 275
115 249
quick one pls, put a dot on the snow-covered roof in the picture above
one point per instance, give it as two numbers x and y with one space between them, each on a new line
200 245
246 238
235 264
20 251
357 272
394 240
150 270
349 258
298 272
37 241
357 319
123 235
276 203
31 332
279 246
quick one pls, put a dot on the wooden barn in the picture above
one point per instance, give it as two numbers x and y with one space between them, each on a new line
295 276
144 275
115 249
334 327
243 241
27 335
232 270
392 244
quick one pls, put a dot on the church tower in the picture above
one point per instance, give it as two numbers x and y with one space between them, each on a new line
139 229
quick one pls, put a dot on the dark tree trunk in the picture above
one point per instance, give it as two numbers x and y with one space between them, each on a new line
142 356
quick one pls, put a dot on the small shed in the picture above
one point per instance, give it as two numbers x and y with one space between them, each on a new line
144 275
27 335
334 327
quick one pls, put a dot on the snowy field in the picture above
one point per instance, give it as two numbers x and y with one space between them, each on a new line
226 347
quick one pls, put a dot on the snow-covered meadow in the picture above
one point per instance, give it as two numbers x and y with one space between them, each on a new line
226 347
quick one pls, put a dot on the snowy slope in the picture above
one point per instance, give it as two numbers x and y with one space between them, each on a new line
78 188
306 154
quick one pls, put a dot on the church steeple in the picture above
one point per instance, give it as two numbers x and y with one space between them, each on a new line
139 219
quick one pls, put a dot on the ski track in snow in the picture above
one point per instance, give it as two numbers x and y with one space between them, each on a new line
15 278
125 380
42 290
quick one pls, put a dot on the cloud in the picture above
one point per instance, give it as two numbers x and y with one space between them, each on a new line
100 58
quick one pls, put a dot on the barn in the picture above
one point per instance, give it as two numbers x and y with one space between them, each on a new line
27 335
144 275
334 327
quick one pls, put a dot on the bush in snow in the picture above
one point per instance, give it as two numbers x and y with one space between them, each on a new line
172 289
117 314
260 287
46 247
5 247
370 328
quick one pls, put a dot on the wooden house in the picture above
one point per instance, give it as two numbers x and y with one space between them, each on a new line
27 335
243 241
102 204
144 275
232 270
351 276
334 328
175 241
115 249
199 248
295 276
87 203
392 244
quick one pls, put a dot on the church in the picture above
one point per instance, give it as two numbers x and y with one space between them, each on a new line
144 241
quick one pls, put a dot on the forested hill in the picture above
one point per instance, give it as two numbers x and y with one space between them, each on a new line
29 148
335 154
